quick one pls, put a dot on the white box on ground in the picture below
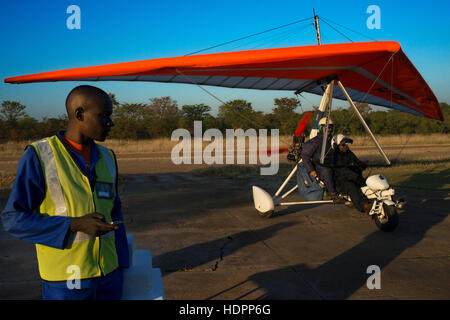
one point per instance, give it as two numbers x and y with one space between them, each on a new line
140 280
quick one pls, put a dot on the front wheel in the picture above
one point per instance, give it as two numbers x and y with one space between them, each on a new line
390 220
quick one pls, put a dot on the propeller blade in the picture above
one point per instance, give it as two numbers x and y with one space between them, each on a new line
298 132
302 124
280 150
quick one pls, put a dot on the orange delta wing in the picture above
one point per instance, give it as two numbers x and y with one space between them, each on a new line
374 72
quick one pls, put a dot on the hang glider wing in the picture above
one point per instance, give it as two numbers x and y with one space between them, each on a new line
377 73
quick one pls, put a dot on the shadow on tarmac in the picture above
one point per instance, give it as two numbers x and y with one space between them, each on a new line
214 251
342 276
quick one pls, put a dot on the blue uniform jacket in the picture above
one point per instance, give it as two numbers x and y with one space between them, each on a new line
311 152
27 194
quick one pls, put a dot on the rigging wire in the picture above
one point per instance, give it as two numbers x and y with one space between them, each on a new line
268 39
340 25
249 36
392 84
221 101
403 147
299 103
228 42
309 101
379 75
342 34
278 37
288 35
345 128
367 93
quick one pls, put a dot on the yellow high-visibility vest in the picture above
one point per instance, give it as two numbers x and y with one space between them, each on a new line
68 193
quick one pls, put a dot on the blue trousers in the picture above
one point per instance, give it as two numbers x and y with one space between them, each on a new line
107 287
326 175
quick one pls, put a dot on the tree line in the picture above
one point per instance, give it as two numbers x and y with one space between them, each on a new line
161 116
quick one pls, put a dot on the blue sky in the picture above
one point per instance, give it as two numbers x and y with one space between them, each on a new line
35 38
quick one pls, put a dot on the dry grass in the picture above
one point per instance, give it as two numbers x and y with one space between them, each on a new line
402 139
13 148
6 180
234 171
165 145
395 140
140 146
6 183
432 175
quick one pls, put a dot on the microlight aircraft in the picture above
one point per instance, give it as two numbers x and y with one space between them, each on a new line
377 73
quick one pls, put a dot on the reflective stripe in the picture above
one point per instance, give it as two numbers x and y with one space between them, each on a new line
51 177
81 236
55 190
109 162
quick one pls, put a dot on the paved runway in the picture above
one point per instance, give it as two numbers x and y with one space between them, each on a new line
210 243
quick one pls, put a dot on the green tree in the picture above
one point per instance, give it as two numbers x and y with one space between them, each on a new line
285 116
162 117
50 126
132 111
445 108
11 111
26 126
114 101
129 121
163 108
377 122
195 112
237 114
363 108
444 126
344 120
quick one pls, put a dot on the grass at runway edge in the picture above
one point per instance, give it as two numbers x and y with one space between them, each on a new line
432 175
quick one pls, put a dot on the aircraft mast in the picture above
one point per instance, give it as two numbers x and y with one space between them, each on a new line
316 26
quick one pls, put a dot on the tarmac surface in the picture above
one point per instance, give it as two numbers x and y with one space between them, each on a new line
210 243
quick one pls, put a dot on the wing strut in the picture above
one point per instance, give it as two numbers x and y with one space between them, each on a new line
320 112
325 133
361 119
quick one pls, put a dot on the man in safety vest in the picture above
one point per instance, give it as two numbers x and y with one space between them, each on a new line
65 200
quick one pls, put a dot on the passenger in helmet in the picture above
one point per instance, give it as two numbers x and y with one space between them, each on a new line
347 172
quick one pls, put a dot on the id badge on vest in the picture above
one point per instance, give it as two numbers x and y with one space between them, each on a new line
105 190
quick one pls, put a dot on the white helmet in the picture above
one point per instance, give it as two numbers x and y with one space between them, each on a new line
322 125
323 121
340 138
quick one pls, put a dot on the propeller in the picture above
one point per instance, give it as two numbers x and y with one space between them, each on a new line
298 132
302 124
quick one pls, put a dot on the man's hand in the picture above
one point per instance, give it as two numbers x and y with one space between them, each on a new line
313 173
92 224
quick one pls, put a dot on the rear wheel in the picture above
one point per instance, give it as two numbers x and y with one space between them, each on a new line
266 215
390 220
